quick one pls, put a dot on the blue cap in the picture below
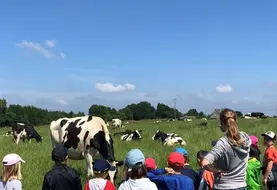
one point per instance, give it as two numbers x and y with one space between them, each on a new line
101 165
182 151
134 157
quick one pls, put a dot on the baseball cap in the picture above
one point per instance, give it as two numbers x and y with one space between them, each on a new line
11 159
254 139
133 158
182 151
59 153
150 163
101 165
269 134
176 159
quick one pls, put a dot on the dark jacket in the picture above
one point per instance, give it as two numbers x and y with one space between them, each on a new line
189 172
62 177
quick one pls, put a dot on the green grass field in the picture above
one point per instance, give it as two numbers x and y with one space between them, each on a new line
38 156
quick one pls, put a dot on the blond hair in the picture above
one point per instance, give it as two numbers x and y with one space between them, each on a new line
228 118
12 172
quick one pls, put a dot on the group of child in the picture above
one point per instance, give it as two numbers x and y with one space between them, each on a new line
143 173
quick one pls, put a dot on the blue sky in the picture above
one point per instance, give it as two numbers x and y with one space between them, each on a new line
207 54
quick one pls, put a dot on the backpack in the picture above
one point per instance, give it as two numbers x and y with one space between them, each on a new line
253 174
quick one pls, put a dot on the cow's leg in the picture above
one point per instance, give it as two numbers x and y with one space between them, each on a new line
17 139
30 140
89 160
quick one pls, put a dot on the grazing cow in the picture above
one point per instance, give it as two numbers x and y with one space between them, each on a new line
204 119
169 139
129 135
21 130
187 119
85 137
117 123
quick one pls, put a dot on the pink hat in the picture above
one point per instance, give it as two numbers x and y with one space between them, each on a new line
11 159
150 163
254 140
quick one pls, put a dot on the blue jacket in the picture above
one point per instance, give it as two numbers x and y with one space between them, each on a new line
170 182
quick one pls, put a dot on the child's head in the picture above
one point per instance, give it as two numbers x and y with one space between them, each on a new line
135 165
101 168
175 161
150 164
254 141
60 154
269 138
12 167
184 153
200 156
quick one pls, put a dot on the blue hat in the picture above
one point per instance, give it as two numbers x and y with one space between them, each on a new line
101 165
133 158
182 151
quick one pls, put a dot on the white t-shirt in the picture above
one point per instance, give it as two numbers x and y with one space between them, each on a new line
138 184
14 184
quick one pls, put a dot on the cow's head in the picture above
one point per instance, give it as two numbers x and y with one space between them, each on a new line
113 170
159 135
137 134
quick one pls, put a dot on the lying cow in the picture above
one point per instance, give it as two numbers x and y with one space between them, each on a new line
85 137
9 133
23 131
169 139
129 135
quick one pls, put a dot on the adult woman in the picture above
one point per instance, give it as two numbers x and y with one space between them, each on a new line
228 158
11 172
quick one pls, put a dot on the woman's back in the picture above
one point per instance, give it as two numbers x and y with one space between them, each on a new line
232 160
11 185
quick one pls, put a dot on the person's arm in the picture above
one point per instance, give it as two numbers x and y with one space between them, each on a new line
45 185
159 171
268 170
212 156
78 181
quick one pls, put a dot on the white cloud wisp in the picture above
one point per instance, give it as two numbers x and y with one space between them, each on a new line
224 88
50 43
109 87
38 48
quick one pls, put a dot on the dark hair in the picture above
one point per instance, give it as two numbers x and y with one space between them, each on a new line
186 157
201 154
137 172
175 168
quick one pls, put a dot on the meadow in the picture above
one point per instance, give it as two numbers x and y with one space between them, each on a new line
38 155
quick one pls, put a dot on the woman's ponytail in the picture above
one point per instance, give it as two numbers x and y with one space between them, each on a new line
228 118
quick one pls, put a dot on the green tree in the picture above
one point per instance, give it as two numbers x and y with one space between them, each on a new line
238 113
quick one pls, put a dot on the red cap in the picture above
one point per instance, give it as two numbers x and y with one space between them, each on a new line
150 163
176 159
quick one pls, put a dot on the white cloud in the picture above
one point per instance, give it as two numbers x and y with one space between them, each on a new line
50 43
38 48
224 88
62 102
109 87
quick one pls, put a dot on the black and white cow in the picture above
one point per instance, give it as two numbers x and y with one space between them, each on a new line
23 131
129 135
169 139
85 137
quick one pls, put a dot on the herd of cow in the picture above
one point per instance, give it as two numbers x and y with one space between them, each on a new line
87 137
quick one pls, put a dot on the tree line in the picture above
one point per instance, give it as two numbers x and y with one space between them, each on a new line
143 110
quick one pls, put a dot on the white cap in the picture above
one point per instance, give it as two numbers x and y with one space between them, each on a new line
11 159
269 134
